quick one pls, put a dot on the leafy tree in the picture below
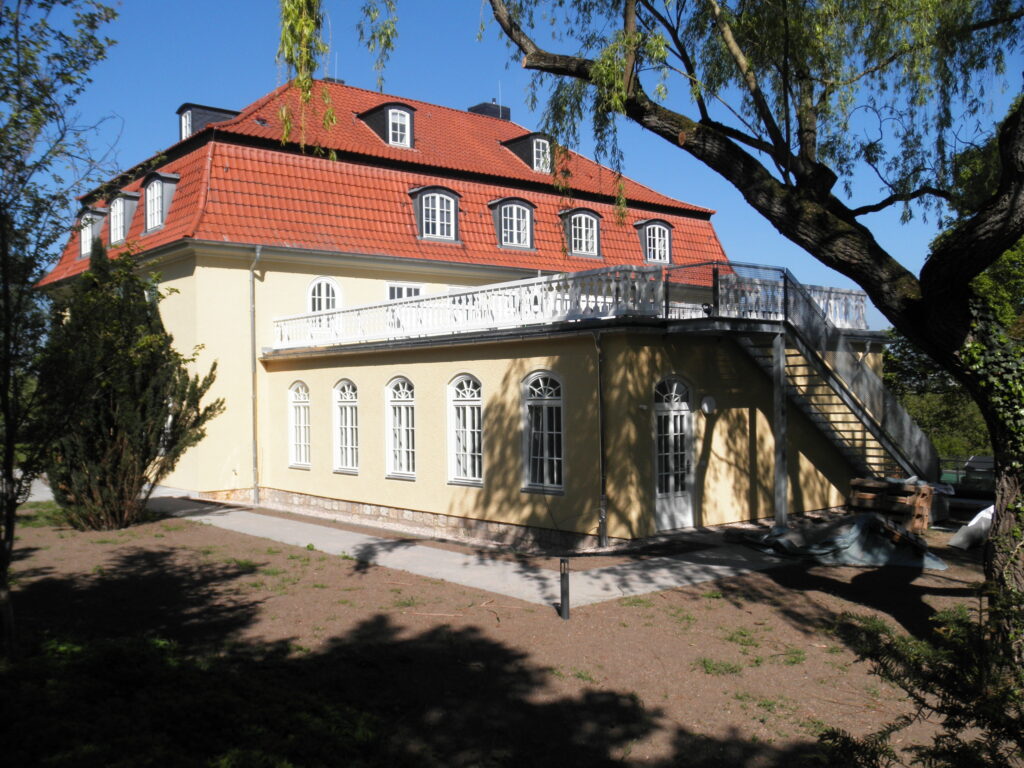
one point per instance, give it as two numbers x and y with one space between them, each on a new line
129 407
47 49
788 100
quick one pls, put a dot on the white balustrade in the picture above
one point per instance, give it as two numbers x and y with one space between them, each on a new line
758 293
595 294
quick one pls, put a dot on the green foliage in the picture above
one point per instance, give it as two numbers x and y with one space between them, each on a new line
954 678
47 49
300 49
123 396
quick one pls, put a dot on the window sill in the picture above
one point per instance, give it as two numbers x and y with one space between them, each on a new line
596 256
306 467
517 247
467 483
543 490
393 476
445 240
338 471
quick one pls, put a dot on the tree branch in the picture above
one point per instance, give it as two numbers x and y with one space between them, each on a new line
901 197
993 229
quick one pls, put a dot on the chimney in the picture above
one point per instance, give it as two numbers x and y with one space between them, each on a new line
492 109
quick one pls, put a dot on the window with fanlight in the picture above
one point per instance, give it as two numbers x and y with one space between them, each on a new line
543 438
465 419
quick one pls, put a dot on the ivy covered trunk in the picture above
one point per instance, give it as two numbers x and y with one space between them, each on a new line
995 376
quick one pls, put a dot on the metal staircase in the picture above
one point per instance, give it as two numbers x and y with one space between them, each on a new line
824 376
813 389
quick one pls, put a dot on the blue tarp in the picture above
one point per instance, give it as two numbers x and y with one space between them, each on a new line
865 539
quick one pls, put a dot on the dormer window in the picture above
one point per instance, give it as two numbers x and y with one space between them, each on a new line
437 213
655 240
542 155
513 222
186 124
117 228
398 128
394 122
154 204
582 232
87 232
122 208
534 149
159 192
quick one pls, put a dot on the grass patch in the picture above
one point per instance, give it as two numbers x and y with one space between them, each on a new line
681 617
636 602
714 594
271 571
793 656
582 674
245 566
40 514
319 586
713 667
743 637
406 602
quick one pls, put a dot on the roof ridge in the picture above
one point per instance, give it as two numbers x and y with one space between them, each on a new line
405 99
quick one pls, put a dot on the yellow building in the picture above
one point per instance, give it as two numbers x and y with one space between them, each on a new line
414 325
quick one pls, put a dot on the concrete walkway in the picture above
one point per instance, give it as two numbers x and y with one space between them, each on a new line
485 570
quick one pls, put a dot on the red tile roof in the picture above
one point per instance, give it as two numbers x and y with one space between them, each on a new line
262 194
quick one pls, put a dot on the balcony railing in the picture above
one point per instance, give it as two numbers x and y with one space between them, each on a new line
718 289
599 293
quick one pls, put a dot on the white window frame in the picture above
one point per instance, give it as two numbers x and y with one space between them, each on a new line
543 433
118 230
437 215
299 448
465 431
86 235
346 427
542 155
399 128
186 124
154 204
323 295
583 234
398 291
658 243
401 428
515 221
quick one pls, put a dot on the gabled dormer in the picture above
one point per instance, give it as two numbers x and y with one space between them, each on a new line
159 193
90 225
534 149
393 122
122 209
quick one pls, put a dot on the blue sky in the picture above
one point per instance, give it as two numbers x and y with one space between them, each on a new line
222 54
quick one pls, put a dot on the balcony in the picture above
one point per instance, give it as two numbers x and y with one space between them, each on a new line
718 289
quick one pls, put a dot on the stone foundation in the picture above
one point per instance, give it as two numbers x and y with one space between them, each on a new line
410 521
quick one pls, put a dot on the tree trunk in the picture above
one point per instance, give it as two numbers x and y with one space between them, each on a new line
1004 565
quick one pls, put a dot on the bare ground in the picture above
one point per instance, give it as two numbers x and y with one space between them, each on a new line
744 671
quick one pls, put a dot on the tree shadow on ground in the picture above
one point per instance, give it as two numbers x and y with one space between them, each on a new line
144 665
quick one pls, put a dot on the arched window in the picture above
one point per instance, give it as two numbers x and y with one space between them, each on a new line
323 295
465 419
346 427
438 210
154 204
655 240
401 414
298 425
515 225
117 220
582 232
542 395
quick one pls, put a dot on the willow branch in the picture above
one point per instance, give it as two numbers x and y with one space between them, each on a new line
901 197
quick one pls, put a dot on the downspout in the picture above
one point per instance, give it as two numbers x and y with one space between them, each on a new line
602 510
252 371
